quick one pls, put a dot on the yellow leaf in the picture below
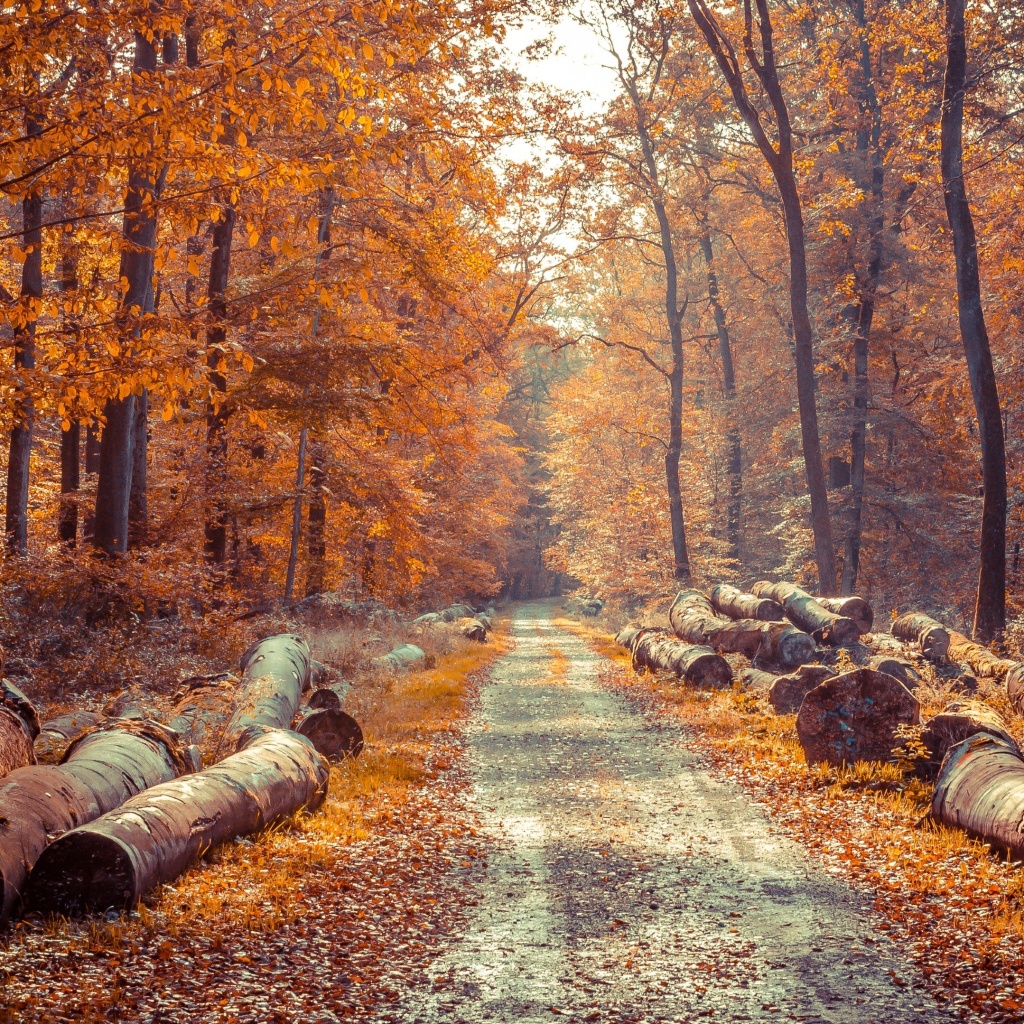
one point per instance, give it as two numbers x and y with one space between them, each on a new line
364 295
254 237
367 51
168 413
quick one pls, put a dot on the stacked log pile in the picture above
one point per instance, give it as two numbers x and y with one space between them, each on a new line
806 612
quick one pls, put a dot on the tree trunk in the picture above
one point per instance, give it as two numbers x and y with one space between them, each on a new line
70 438
1015 686
216 411
293 550
854 717
19 726
16 525
734 464
802 609
154 837
92 450
733 602
981 790
98 773
982 661
659 651
113 490
203 712
275 674
990 607
931 636
693 618
756 679
57 734
787 693
332 732
138 494
958 722
852 607
780 161
316 541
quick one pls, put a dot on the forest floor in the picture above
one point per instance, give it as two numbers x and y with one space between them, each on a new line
534 832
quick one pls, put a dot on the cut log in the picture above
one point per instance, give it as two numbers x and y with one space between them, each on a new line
19 726
787 692
700 666
854 717
275 674
626 635
152 838
958 722
56 734
755 679
473 629
332 732
330 696
1015 686
980 659
804 611
98 773
980 788
404 656
733 602
902 670
203 711
931 636
694 619
855 608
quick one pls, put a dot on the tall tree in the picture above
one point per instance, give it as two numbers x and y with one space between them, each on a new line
990 605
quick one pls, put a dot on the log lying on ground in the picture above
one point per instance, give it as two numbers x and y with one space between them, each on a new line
1015 686
98 773
203 710
931 636
982 661
755 679
693 618
404 656
731 601
56 734
275 673
855 608
626 635
854 717
152 838
803 610
19 726
330 696
958 722
902 670
332 732
658 650
787 692
473 629
980 788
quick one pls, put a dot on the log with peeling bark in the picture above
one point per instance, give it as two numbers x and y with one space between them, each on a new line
980 789
787 692
981 660
731 601
626 635
1015 686
693 618
957 722
202 713
855 608
112 861
696 664
930 636
332 732
275 674
57 734
19 726
807 613
99 772
854 717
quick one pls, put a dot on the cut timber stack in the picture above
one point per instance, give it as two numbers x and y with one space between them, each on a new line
930 636
19 726
729 600
693 618
854 717
981 789
855 608
153 837
98 773
657 650
805 612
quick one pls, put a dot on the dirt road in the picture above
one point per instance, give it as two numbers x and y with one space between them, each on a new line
631 886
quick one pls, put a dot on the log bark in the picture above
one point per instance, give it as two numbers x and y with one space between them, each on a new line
275 674
57 734
854 717
755 679
1015 686
931 636
902 670
404 656
855 608
332 732
982 661
959 721
19 726
98 773
731 601
805 612
787 692
155 836
693 618
202 714
980 789
473 629
657 650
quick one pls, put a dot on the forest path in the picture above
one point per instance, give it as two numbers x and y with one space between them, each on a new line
629 885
